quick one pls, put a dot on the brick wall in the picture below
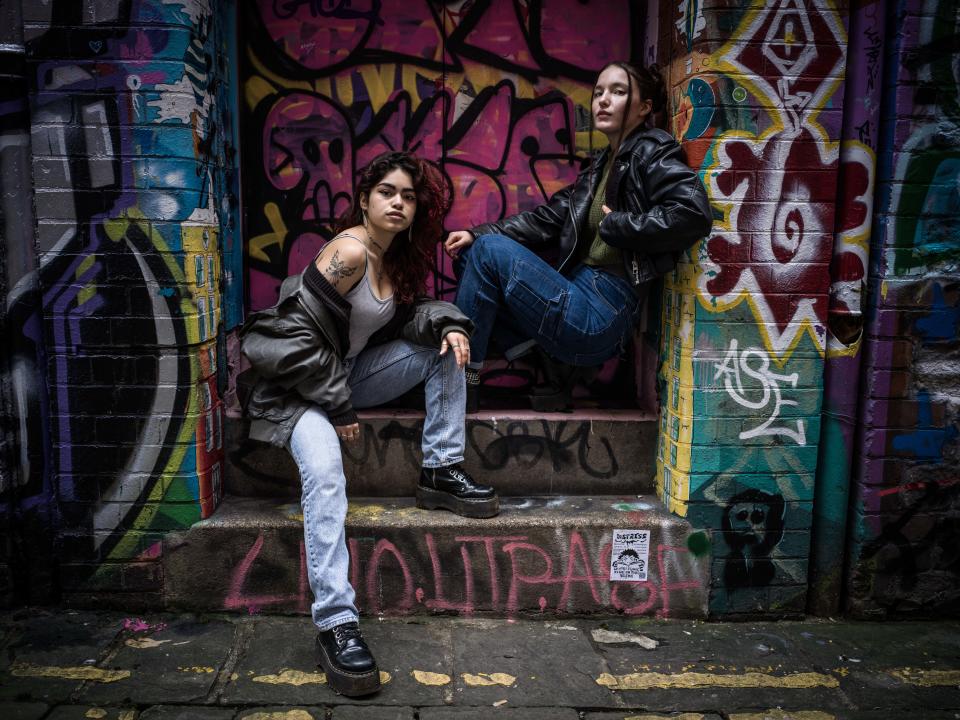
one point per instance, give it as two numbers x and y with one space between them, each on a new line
756 96
905 524
136 246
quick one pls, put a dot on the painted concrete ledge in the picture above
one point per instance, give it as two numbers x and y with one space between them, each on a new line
605 452
543 557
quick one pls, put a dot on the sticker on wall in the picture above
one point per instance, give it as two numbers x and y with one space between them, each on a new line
628 559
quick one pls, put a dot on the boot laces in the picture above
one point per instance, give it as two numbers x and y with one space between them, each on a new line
348 631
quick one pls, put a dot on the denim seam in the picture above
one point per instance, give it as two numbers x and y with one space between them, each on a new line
338 619
394 361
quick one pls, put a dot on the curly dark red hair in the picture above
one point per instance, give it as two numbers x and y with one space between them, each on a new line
411 255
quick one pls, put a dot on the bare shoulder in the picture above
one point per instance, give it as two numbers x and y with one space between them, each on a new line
342 261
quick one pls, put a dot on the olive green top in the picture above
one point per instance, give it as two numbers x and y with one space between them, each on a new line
600 254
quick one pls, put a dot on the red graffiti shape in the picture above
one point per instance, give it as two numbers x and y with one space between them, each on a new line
783 215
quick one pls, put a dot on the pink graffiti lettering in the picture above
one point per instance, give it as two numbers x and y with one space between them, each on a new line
373 586
397 585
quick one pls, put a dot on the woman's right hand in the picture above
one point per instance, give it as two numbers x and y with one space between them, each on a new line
456 241
348 433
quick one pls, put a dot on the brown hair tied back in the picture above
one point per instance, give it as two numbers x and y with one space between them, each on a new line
647 82
650 84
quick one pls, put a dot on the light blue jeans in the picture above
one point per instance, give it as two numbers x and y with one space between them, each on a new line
377 375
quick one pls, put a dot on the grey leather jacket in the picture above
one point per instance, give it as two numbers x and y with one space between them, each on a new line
296 350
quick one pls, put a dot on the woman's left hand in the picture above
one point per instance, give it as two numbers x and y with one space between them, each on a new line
460 344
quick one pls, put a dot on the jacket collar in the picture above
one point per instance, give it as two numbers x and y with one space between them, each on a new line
322 301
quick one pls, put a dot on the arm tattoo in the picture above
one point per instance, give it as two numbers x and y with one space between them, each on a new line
337 269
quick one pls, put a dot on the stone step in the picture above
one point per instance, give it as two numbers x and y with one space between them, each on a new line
521 453
542 557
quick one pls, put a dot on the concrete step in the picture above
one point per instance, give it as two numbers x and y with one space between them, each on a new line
542 556
521 453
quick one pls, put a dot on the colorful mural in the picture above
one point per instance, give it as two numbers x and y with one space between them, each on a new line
137 252
905 527
848 289
745 318
496 92
27 511
808 346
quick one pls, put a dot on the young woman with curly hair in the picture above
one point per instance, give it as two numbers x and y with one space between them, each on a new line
353 330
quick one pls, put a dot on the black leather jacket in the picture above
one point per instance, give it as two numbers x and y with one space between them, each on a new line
660 208
296 350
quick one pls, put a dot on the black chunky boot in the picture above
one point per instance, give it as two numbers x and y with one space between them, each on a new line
451 488
473 389
347 661
555 393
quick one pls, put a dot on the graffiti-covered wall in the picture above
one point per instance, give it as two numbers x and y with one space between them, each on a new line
757 92
905 524
27 512
136 257
496 92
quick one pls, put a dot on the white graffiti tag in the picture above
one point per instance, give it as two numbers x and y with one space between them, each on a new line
735 363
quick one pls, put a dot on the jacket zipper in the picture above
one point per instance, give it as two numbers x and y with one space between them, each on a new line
576 230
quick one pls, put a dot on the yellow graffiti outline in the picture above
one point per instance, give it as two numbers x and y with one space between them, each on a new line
255 89
116 229
89 290
276 236
278 80
828 88
860 240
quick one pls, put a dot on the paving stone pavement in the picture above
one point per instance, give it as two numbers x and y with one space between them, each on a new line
63 665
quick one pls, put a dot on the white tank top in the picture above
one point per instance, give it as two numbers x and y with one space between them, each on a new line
368 313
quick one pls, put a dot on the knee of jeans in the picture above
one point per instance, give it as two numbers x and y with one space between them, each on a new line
321 474
447 361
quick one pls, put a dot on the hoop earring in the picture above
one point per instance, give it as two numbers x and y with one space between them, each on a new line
363 214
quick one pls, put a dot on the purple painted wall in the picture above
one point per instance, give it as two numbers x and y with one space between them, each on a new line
905 525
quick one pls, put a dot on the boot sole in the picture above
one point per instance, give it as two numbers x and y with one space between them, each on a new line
347 683
429 499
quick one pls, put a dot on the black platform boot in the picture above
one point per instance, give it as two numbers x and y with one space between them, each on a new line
555 393
347 661
451 488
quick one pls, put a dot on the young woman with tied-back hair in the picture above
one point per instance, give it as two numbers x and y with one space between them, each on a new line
353 331
622 223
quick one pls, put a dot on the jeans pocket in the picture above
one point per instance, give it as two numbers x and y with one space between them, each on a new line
603 290
538 300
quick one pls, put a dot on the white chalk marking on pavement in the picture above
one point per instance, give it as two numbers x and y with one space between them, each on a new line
488 679
144 643
93 674
611 636
926 678
424 677
280 715
777 714
644 681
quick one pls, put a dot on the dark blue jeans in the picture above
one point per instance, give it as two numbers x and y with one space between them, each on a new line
513 295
